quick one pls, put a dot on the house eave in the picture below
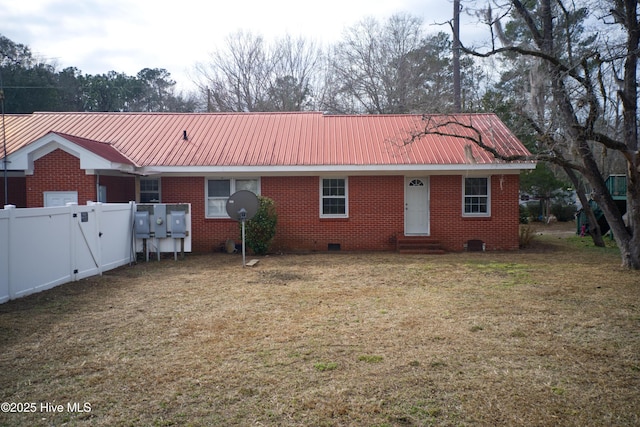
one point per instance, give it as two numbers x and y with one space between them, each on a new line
505 168
24 158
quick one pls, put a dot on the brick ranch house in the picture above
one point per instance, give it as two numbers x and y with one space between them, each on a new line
345 181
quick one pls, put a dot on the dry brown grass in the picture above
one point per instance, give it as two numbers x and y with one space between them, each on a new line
544 336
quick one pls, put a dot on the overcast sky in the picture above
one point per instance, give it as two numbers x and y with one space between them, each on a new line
98 36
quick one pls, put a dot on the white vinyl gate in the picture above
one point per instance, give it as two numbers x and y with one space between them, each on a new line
44 247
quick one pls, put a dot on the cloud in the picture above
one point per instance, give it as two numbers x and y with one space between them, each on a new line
97 36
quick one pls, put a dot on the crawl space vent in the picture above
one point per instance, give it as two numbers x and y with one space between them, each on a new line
475 246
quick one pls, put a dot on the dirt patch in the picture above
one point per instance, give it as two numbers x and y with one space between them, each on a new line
555 228
522 338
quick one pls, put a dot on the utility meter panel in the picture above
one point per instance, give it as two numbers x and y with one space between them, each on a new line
142 226
160 221
178 224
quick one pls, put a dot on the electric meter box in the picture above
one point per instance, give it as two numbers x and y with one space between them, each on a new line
142 226
178 224
160 221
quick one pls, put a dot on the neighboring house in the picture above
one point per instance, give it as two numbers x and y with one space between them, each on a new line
339 182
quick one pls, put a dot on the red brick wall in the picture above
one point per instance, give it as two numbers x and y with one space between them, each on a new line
59 171
376 211
376 208
499 231
376 214
300 227
207 234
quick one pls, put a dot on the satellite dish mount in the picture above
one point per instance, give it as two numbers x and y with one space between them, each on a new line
242 206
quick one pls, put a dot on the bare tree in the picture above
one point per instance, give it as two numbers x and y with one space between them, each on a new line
236 79
250 75
391 67
293 85
570 127
457 97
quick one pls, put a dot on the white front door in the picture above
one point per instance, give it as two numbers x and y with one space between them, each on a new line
416 206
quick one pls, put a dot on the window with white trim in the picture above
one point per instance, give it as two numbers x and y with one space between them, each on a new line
149 190
476 196
217 192
334 198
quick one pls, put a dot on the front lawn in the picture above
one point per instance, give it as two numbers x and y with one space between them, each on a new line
543 336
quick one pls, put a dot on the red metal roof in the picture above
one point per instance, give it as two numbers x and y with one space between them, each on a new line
268 139
106 151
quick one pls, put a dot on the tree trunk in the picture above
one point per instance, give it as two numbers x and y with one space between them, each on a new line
630 255
630 250
624 238
594 227
457 103
572 83
630 246
628 241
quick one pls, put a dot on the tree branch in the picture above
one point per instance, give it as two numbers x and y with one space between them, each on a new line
440 128
552 156
608 142
527 52
526 16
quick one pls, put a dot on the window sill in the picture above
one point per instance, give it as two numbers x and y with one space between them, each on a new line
476 217
334 219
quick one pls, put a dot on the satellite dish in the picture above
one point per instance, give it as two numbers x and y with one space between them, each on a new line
242 205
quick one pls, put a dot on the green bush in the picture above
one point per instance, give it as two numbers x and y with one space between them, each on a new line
524 215
533 209
564 212
261 229
527 234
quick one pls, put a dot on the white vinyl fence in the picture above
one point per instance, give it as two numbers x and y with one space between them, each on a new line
41 248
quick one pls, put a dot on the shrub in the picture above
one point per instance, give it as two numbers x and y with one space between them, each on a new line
534 210
563 212
524 215
527 234
261 229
